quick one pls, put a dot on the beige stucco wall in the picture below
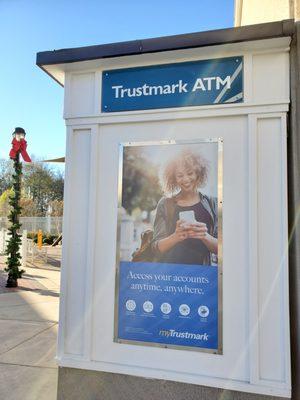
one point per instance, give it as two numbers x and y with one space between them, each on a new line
248 12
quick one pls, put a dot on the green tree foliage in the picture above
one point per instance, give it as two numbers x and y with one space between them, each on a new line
4 202
41 185
29 207
6 171
57 208
141 188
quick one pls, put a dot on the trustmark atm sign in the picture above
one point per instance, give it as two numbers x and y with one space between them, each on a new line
185 84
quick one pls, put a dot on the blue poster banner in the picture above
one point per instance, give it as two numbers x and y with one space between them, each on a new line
168 304
195 83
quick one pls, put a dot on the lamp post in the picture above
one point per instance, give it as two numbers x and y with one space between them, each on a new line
13 261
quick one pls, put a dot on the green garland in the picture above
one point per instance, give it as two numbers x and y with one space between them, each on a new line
13 244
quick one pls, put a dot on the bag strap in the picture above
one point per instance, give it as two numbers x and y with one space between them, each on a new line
212 211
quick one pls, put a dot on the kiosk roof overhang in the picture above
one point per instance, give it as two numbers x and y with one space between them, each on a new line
52 61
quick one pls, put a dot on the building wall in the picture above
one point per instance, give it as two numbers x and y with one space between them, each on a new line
293 203
253 12
248 12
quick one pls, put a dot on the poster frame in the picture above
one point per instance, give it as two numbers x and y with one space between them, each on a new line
116 339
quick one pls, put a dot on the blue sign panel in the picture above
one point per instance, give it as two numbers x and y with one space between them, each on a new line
168 304
185 84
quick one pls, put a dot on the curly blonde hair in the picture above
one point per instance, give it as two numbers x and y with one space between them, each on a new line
190 161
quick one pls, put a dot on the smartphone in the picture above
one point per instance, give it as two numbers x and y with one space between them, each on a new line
187 216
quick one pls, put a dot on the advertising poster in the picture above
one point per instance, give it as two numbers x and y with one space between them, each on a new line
169 252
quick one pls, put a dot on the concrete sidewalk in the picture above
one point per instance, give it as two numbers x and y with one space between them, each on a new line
28 334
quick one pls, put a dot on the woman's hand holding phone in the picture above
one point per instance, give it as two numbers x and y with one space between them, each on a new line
197 230
178 236
191 227
181 232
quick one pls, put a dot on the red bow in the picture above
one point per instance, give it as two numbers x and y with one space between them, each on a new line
19 146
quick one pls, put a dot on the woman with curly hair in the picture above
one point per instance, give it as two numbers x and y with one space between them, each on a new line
191 241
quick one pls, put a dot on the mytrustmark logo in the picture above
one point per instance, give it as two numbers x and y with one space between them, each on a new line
183 335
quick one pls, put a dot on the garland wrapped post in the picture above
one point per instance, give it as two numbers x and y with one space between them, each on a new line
13 261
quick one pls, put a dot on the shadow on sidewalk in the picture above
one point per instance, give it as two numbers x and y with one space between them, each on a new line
28 335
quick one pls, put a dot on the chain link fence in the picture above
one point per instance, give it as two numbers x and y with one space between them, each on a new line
52 225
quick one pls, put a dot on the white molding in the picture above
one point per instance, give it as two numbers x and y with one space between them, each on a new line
285 250
253 252
65 250
98 92
67 94
180 113
248 74
254 318
92 208
288 81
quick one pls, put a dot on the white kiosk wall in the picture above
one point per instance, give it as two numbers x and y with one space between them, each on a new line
256 354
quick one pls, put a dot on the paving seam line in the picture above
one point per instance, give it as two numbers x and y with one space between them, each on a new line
30 321
51 321
26 340
26 365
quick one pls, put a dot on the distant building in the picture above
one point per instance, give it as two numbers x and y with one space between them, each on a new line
248 12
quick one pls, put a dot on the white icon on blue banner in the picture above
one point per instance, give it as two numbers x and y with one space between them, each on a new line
184 309
203 311
130 305
165 308
148 306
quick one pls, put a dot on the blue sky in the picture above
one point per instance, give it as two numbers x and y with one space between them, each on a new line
30 98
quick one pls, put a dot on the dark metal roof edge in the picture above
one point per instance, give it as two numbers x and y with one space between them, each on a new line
167 43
